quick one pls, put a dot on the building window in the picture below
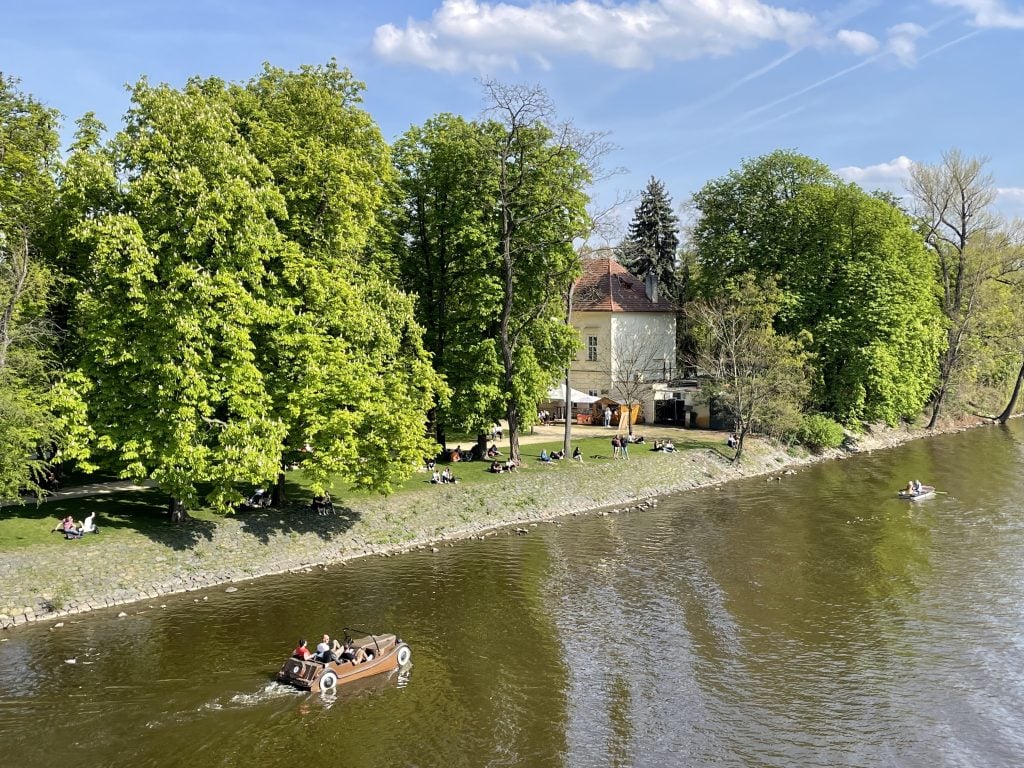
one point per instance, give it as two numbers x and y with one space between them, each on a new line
591 348
592 392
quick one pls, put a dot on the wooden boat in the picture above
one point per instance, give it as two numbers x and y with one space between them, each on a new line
924 492
385 652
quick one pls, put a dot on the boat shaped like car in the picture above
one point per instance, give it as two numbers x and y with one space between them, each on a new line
384 654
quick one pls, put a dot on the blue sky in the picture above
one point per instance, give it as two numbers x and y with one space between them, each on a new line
686 88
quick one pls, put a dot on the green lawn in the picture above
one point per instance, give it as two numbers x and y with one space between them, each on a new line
131 513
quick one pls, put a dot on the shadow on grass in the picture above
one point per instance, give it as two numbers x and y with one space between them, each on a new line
296 520
143 512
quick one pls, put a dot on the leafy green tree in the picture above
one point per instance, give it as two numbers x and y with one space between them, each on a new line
749 220
541 169
650 248
853 275
231 319
451 263
345 366
751 370
38 418
862 284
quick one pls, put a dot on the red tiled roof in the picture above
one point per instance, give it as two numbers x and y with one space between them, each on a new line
607 286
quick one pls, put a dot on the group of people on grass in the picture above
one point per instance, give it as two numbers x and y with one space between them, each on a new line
666 445
73 530
547 458
509 465
328 650
443 477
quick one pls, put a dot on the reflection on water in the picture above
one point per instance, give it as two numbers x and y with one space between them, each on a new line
814 620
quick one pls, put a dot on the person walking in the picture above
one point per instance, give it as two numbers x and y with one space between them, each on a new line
607 416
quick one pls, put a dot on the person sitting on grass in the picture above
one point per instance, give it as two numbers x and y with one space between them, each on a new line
512 465
89 524
62 525
493 451
435 477
577 454
71 529
430 465
447 476
497 467
544 455
557 455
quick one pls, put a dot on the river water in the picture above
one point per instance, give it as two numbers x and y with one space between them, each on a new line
814 620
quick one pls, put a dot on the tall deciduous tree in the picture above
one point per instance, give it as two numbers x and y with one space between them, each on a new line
952 199
650 248
231 319
34 426
451 263
852 272
541 169
752 371
344 364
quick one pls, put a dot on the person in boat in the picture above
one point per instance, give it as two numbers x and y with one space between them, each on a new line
350 653
302 651
323 650
917 486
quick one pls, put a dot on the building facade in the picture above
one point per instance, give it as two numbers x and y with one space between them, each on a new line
628 335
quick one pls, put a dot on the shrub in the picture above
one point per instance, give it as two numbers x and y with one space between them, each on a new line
819 432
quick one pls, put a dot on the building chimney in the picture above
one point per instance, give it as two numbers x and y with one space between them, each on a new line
651 287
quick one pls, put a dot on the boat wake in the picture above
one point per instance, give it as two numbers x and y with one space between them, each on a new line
270 692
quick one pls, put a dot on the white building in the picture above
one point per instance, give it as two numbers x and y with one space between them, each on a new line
628 333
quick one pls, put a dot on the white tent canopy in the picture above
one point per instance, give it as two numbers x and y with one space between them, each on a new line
557 395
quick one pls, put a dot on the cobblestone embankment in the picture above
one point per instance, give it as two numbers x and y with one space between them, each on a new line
45 583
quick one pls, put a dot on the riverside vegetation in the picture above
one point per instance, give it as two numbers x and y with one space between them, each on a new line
246 284
141 556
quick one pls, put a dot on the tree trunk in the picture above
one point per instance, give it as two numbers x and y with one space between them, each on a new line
1008 410
512 415
481 446
567 436
936 407
176 511
278 496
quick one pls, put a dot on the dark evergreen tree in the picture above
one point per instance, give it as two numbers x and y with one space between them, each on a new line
650 247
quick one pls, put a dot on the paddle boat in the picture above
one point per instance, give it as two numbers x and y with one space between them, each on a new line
383 653
919 492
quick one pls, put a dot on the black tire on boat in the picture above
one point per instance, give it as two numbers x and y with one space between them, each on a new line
328 680
404 654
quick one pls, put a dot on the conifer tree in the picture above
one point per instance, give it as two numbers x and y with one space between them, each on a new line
650 247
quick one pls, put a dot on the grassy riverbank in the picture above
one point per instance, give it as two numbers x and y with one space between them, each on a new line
140 556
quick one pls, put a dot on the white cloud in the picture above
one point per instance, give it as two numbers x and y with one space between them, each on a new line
989 13
860 43
468 34
1010 202
890 176
902 42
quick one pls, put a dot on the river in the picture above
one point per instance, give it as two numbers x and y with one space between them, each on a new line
812 620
